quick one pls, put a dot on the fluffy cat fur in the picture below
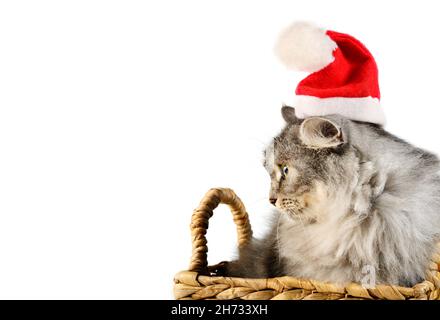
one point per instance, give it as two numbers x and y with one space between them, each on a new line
348 195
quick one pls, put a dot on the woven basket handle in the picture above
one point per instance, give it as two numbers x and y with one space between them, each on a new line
200 223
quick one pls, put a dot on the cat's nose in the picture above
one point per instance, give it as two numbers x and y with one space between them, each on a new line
273 200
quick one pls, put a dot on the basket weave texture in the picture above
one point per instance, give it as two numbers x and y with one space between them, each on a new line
200 281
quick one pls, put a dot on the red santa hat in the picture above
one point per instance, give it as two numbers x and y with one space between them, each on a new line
343 79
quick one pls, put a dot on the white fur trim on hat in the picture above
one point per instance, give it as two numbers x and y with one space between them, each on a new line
365 109
305 47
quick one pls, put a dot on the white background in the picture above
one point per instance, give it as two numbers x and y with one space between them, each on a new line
117 116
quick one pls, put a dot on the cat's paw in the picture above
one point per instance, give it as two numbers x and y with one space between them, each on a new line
219 269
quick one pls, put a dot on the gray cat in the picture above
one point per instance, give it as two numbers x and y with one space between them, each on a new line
351 199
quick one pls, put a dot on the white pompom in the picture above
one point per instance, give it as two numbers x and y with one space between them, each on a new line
305 47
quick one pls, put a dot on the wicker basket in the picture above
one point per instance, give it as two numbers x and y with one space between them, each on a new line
200 282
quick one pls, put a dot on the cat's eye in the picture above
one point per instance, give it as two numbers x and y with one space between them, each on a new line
284 170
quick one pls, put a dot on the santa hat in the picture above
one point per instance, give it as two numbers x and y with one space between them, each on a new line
343 79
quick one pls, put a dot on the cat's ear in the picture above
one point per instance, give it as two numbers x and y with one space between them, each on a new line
289 114
317 132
